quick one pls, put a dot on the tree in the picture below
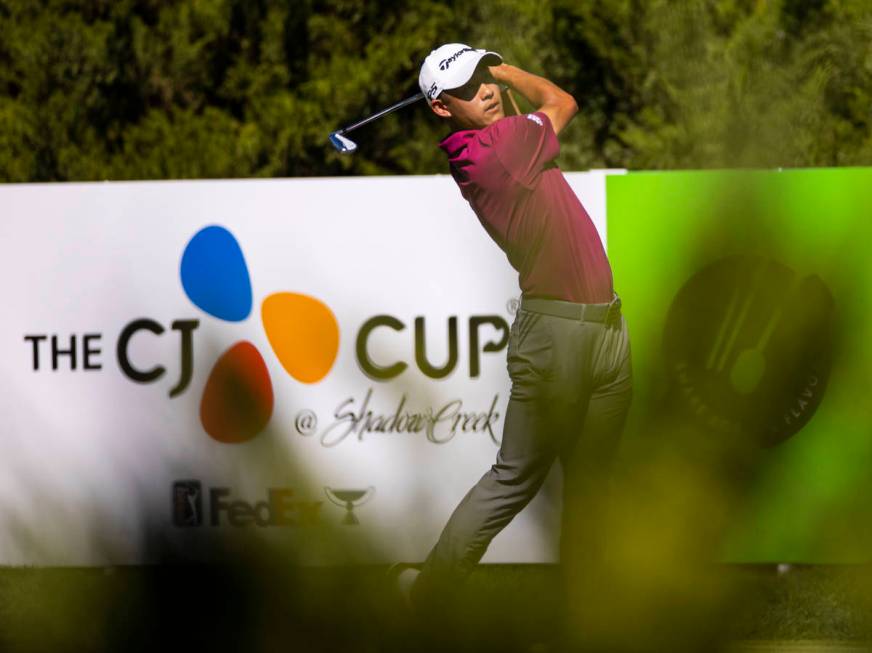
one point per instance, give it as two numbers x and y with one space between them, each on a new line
141 89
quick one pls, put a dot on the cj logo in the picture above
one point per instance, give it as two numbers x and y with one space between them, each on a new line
237 401
302 331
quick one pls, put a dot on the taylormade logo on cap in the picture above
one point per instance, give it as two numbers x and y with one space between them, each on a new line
443 65
451 66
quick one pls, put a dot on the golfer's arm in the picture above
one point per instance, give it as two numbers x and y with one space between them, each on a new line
553 101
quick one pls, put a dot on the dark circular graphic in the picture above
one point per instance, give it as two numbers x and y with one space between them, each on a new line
748 345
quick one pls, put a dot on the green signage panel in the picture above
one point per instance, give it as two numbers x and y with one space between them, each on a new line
749 300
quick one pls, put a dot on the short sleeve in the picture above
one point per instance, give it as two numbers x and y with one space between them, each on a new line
525 144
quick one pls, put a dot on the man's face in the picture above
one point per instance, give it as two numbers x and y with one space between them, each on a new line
476 104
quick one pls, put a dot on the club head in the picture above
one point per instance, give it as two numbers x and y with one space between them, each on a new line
342 144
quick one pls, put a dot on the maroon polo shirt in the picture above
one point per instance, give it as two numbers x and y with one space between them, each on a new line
506 172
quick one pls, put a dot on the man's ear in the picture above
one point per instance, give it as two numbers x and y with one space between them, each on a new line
440 109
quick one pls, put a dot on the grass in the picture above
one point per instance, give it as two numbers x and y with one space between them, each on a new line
504 607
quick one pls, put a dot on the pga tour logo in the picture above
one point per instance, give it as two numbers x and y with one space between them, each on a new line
187 503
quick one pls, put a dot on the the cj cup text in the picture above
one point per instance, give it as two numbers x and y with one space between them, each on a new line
84 352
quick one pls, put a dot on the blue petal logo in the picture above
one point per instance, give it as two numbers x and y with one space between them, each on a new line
214 275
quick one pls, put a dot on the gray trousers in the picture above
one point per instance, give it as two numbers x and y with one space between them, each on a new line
571 390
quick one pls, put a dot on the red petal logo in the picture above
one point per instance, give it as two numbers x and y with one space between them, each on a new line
238 398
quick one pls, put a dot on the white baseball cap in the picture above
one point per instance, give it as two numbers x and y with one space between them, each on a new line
451 66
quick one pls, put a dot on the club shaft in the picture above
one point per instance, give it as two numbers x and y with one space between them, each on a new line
383 112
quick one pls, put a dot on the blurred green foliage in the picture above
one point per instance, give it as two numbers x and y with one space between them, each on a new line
150 89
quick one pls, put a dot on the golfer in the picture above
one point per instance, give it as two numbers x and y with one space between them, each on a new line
568 354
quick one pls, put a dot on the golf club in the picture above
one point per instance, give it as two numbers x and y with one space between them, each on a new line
346 145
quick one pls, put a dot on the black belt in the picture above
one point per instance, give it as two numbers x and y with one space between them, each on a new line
603 313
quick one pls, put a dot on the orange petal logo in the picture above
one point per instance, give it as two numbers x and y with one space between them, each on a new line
303 333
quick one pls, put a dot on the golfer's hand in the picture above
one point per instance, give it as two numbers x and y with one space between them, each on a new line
498 72
550 99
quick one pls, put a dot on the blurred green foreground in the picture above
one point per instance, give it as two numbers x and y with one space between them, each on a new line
504 608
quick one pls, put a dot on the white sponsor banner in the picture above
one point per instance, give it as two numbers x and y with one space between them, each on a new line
119 299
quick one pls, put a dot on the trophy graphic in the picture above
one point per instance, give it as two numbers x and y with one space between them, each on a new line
349 499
